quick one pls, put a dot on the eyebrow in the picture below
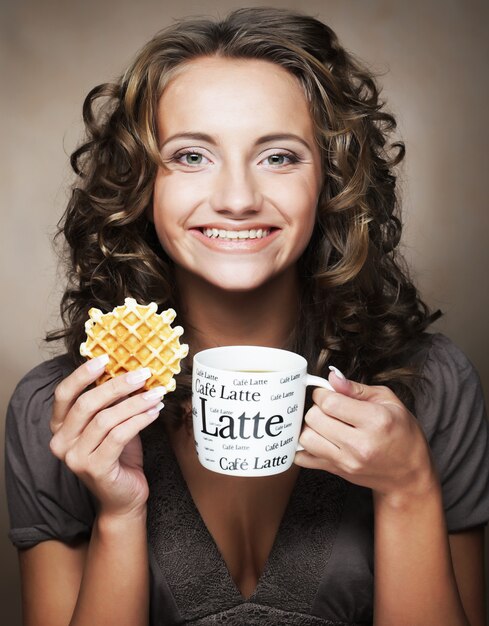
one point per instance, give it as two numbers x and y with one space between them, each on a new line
260 141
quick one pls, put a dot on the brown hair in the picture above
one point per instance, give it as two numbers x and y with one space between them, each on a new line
359 309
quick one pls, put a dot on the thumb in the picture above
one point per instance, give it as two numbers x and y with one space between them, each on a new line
347 387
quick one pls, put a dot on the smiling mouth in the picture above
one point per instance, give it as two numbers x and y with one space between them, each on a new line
230 235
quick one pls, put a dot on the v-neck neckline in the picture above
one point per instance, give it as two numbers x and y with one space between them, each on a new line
190 561
211 539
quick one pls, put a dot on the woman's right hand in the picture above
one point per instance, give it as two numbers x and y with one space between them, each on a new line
96 434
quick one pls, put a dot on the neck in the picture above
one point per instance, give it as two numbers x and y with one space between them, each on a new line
214 317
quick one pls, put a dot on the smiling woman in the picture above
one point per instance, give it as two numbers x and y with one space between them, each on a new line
236 174
241 172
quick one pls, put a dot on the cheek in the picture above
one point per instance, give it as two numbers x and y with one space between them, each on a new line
171 204
301 206
305 217
304 237
163 214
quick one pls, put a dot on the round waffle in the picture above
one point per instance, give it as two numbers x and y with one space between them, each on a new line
135 335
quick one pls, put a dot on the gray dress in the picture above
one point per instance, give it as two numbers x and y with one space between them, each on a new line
320 570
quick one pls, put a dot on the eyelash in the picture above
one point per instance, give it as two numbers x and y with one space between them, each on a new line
293 158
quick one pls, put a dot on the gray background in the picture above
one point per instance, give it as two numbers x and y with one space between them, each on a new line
433 57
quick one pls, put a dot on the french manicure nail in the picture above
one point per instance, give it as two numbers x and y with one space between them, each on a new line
337 372
137 376
156 409
98 363
156 392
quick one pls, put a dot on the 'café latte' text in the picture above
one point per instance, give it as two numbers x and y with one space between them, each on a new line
209 390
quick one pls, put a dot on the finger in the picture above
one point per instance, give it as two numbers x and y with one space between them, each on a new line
111 448
108 419
317 445
349 387
359 391
340 433
94 400
309 461
73 385
352 411
338 406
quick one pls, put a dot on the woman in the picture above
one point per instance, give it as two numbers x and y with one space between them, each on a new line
240 172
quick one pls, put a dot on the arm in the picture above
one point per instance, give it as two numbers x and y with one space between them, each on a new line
51 575
105 580
467 550
414 577
96 583
115 583
362 434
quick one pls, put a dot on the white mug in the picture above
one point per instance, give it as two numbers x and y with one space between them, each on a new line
247 408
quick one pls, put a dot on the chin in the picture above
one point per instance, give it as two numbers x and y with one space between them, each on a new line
237 283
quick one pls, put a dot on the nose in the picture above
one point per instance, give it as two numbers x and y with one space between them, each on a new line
235 192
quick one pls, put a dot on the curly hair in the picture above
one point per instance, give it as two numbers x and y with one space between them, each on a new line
359 308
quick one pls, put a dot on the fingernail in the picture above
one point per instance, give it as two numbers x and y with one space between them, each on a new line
98 363
137 376
156 409
337 372
156 392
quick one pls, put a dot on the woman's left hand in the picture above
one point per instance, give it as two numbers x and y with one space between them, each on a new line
367 436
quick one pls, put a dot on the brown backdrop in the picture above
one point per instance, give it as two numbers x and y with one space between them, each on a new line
433 55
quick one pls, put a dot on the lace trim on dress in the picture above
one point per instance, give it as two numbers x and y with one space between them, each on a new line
194 569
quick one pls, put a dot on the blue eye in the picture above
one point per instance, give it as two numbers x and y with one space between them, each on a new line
277 159
281 158
190 158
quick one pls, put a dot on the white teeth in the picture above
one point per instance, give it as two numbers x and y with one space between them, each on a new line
220 233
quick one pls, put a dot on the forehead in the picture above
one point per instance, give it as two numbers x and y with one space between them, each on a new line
220 92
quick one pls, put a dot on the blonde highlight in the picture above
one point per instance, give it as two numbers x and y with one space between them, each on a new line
358 306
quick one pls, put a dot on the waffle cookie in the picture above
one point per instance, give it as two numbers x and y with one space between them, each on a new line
135 335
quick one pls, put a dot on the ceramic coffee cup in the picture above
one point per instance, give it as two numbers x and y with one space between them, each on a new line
248 407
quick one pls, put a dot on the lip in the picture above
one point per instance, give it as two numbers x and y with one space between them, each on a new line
236 245
243 226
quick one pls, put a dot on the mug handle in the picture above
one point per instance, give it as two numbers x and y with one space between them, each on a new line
315 381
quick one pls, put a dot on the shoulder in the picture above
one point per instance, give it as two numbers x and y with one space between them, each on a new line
444 358
43 377
450 388
46 500
30 404
46 372
449 406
